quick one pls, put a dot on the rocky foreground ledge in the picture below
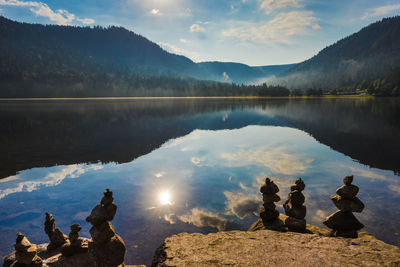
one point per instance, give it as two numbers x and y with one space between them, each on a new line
273 248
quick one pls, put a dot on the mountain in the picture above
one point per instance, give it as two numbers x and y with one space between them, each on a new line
241 73
34 48
371 53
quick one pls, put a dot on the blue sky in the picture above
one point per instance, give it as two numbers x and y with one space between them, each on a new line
254 32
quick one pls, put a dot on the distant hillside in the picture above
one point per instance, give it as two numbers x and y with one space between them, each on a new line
51 48
371 53
34 48
241 73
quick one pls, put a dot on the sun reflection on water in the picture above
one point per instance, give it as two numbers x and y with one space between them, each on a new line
165 198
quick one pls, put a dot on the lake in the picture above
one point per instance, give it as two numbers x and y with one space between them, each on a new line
192 165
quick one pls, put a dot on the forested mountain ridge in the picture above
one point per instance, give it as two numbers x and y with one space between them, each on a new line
35 48
371 53
242 73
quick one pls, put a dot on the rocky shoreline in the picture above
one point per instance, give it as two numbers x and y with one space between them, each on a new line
275 239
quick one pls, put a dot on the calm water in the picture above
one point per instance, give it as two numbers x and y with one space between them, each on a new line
192 165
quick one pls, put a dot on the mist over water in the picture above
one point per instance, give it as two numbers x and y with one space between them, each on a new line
192 165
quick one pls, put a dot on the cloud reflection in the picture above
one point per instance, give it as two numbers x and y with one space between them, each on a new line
277 159
201 218
19 183
242 206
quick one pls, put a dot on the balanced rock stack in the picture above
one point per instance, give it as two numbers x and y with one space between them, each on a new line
108 247
57 238
343 222
25 252
268 211
294 207
76 244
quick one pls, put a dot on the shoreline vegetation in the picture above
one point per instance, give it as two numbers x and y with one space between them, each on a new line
178 97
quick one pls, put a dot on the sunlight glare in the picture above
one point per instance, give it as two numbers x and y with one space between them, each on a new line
165 198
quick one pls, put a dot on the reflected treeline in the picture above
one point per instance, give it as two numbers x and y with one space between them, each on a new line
47 133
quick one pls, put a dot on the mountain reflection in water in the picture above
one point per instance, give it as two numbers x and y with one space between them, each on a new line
192 165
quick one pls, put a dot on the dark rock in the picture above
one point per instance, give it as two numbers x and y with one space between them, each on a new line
110 254
294 224
25 252
296 198
347 191
343 221
268 215
56 237
296 212
269 206
353 205
347 180
76 244
271 198
102 233
98 215
269 187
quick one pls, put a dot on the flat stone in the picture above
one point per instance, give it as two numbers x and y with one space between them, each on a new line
296 198
296 212
347 180
272 248
268 215
271 198
294 224
27 257
347 191
269 206
57 239
269 187
111 253
23 244
102 233
98 215
353 205
343 221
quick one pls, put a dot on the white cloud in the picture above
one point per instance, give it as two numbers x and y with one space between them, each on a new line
184 41
380 11
280 29
179 51
60 16
270 5
86 21
155 12
196 28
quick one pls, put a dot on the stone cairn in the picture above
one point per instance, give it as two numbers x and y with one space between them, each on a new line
268 211
294 207
343 222
56 237
76 244
108 247
25 252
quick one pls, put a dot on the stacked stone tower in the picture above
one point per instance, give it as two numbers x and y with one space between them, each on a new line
268 211
76 244
108 247
343 222
294 207
25 252
56 237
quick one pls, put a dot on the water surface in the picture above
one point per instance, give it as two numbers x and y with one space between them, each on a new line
192 165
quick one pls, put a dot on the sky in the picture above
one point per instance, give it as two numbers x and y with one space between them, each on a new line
253 32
